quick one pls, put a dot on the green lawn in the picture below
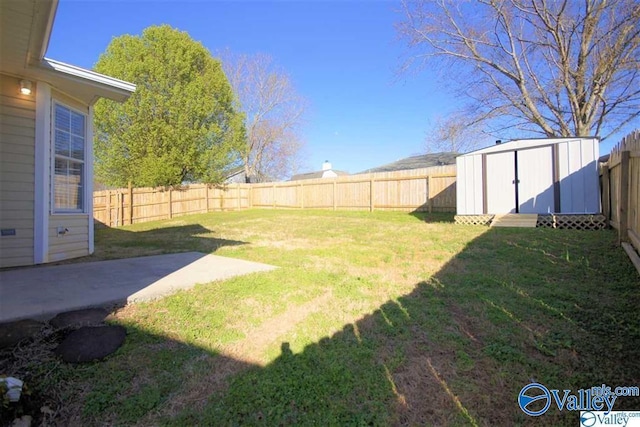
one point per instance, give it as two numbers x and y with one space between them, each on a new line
371 319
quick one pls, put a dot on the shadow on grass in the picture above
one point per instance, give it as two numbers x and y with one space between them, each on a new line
557 307
124 243
434 217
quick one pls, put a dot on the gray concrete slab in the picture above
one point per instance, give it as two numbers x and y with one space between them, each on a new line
44 291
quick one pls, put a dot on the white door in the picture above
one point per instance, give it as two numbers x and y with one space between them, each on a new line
535 180
501 192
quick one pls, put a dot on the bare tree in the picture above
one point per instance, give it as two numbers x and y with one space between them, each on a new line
455 133
552 67
273 115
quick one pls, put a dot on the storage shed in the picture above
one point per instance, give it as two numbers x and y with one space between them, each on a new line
541 176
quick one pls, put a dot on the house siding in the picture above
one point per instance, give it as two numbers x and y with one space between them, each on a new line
17 166
73 243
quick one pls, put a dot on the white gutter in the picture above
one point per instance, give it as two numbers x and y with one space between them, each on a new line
85 74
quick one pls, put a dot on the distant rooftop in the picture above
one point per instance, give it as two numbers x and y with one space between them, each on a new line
417 162
318 174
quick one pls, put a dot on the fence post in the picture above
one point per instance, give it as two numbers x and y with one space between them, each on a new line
623 232
121 208
301 195
130 203
429 199
273 193
606 189
238 190
206 197
371 195
250 195
222 191
335 202
170 204
108 217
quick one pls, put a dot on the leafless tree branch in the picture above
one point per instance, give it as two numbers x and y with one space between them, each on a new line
558 67
273 115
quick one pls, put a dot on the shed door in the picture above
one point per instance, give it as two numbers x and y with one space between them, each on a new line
500 173
535 180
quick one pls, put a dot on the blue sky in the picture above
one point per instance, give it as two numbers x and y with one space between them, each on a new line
342 56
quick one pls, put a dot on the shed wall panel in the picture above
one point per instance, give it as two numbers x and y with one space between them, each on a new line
469 184
501 194
535 176
579 182
464 181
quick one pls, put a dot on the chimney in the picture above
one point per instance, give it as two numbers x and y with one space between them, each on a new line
498 142
326 166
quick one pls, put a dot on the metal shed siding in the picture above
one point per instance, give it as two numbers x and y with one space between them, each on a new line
579 182
469 198
535 175
575 164
500 176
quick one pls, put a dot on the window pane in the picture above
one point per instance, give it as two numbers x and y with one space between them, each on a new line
77 148
69 143
61 184
75 185
68 185
77 124
62 143
62 118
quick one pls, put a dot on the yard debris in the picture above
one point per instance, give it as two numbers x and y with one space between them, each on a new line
23 421
13 386
13 332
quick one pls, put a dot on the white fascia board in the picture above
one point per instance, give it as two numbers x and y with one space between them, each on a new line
517 144
48 28
85 74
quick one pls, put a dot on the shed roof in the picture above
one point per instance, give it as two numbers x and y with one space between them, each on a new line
518 144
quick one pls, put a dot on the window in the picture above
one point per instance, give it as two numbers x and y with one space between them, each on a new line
69 144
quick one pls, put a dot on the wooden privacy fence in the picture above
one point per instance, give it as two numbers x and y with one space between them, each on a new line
428 189
123 206
621 193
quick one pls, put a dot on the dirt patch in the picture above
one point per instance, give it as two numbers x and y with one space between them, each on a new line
206 382
203 383
251 348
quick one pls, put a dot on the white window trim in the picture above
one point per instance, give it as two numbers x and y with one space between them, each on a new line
88 170
42 174
86 161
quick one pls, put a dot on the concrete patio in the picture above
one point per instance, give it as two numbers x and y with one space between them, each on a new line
44 291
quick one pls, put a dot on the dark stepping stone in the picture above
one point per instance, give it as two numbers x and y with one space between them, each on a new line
91 343
14 332
76 318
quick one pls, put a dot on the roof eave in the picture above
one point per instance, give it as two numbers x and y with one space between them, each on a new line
41 27
108 87
84 74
